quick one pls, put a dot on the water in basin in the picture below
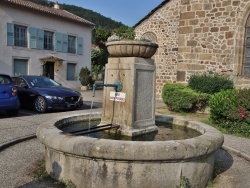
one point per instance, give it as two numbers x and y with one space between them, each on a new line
165 132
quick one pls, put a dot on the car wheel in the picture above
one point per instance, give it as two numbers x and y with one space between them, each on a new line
40 104
12 112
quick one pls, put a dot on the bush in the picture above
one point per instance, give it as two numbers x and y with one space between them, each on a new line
84 76
230 110
180 98
221 104
209 84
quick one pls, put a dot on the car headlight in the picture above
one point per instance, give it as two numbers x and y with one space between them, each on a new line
53 97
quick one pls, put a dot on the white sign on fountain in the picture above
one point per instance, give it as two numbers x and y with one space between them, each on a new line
117 96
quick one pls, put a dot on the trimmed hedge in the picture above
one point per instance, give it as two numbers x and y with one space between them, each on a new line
209 83
180 98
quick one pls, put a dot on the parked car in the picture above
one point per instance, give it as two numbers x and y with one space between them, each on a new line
9 100
43 94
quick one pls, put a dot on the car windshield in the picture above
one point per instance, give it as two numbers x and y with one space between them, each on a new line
42 82
4 80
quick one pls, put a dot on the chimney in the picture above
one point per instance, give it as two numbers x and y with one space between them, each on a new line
56 5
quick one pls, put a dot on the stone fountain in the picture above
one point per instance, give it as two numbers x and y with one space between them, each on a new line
93 162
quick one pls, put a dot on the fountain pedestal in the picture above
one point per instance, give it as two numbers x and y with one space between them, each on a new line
133 108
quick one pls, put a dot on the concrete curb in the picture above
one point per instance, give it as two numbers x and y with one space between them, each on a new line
16 141
237 152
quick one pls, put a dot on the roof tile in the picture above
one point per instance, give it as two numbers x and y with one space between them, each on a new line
49 10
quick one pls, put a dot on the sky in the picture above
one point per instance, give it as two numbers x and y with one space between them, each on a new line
129 12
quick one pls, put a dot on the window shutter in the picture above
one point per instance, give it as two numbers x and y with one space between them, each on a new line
65 43
59 37
10 34
40 36
20 67
71 70
33 37
79 45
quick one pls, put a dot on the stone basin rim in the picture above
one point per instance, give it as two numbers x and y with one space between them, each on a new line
197 147
131 42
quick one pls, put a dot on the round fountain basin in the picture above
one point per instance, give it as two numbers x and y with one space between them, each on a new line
93 162
164 132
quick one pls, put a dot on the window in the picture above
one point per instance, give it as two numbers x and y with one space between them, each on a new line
20 67
71 71
71 44
247 54
149 36
20 35
48 40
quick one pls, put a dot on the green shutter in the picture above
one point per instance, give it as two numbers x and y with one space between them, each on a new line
59 37
65 43
10 34
79 45
40 39
20 67
71 71
33 37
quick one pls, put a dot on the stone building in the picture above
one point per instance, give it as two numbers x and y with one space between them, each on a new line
199 36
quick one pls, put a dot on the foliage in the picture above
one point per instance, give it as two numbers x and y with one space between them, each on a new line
122 33
184 182
94 17
43 2
221 103
180 98
209 83
98 57
96 70
84 76
230 110
101 35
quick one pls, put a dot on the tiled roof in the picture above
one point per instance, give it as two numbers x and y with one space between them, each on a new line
151 12
48 10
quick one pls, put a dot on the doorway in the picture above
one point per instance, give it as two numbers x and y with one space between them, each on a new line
48 69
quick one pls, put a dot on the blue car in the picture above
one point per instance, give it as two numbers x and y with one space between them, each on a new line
44 94
9 100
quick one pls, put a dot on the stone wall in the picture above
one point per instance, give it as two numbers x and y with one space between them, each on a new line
198 36
164 24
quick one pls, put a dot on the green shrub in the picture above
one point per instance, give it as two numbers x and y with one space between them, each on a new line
221 103
209 84
85 77
230 110
180 98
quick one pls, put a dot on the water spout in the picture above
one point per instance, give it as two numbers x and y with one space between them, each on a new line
117 85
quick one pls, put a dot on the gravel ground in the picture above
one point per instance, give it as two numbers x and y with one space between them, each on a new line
17 164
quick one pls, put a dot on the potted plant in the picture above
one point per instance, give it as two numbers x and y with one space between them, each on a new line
123 44
85 78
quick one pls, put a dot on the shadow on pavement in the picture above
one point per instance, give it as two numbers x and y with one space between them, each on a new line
223 161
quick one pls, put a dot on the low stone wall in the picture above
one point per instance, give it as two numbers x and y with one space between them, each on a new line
92 162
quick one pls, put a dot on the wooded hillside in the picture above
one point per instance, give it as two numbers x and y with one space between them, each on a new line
94 17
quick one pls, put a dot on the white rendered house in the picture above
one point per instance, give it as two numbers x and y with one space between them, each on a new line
39 40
